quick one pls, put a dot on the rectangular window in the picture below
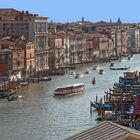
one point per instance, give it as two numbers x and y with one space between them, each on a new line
3 58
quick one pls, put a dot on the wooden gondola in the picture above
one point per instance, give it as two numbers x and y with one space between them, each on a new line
93 81
122 68
116 90
72 66
103 106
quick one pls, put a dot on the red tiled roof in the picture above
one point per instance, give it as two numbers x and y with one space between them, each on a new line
105 131
9 12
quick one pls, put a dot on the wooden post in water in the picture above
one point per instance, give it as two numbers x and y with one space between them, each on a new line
4 87
96 98
90 106
100 109
0 86
8 86
104 98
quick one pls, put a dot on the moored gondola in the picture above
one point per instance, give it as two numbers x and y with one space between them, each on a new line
122 68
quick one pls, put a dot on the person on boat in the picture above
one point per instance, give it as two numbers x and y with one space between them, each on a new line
93 81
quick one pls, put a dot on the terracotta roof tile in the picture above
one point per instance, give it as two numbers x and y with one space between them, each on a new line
9 12
104 131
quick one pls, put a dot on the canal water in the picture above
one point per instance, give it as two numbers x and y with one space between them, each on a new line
39 115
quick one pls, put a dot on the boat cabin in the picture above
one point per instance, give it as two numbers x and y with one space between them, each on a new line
101 71
111 64
95 67
131 74
70 89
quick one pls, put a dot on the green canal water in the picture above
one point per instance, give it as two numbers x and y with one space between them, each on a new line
39 115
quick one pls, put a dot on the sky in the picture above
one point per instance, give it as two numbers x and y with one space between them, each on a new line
73 10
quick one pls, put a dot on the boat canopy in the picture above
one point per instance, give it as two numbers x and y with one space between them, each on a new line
131 74
72 85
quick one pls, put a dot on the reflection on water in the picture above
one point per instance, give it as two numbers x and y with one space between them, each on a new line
41 115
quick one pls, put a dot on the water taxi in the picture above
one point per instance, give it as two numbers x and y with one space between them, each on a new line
24 83
72 73
120 60
111 64
101 71
95 67
71 66
14 97
45 79
86 72
78 75
70 89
